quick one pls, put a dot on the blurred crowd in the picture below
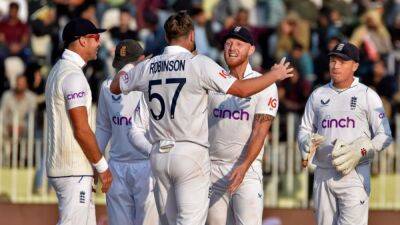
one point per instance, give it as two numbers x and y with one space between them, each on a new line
303 31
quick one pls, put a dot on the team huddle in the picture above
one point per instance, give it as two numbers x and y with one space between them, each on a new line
186 136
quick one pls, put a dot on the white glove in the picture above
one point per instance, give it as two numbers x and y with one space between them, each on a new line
347 157
313 140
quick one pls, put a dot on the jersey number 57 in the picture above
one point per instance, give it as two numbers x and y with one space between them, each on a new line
155 95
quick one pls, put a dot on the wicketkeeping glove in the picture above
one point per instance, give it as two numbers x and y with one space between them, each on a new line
347 157
313 140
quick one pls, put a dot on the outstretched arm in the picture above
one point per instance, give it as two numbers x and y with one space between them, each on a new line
248 87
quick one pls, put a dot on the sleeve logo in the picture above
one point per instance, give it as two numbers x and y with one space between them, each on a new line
272 102
381 115
75 95
223 74
124 76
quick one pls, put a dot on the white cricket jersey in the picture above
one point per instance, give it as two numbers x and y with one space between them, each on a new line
347 115
115 115
66 88
176 84
231 120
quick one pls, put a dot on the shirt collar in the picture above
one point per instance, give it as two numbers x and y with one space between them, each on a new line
73 57
174 49
248 72
355 82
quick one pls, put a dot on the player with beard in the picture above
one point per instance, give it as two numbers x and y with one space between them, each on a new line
238 128
176 84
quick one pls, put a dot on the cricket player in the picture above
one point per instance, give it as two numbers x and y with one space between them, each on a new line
350 117
130 200
237 130
176 85
72 148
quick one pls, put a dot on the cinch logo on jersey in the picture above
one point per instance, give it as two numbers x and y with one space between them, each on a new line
339 123
122 120
161 66
228 114
75 95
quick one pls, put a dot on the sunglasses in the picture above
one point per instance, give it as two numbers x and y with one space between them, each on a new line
94 36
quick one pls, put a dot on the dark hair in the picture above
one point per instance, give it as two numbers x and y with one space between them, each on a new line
30 71
178 25
124 9
13 5
196 11
150 17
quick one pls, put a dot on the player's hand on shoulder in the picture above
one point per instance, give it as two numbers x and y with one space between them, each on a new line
282 70
106 180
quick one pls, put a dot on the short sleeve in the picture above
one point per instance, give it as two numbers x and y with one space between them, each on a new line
212 76
378 122
131 78
75 90
267 101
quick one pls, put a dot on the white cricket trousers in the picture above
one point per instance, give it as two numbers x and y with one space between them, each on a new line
342 200
75 200
130 199
245 206
182 183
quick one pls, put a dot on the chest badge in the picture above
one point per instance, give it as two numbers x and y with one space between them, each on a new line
326 102
353 103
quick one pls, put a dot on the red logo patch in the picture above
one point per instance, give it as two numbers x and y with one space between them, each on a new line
124 76
223 74
363 151
272 102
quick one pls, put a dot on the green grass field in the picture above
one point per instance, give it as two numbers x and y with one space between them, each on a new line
385 192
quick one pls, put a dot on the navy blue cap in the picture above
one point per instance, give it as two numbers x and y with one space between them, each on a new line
77 28
346 51
240 33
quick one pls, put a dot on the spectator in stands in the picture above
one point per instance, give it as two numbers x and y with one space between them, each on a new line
155 41
45 32
373 35
19 102
14 35
292 30
202 42
384 84
123 30
36 82
293 94
302 60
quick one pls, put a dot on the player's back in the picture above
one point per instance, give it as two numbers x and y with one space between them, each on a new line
175 86
115 115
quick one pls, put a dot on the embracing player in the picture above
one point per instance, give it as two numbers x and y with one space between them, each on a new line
350 117
238 128
176 85
130 199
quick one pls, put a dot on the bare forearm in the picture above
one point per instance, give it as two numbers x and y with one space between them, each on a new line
254 148
248 87
87 141
260 131
114 86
